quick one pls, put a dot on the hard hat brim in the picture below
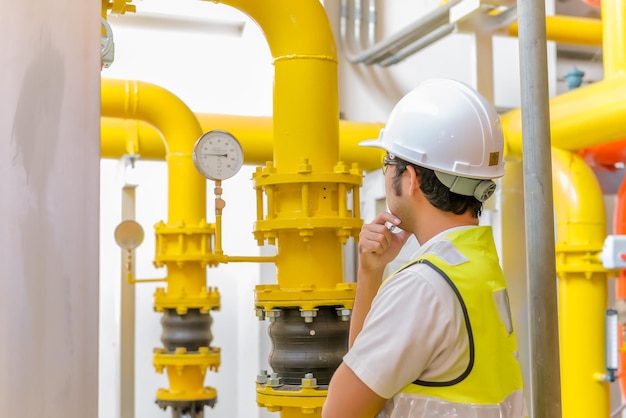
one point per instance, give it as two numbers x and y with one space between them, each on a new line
373 143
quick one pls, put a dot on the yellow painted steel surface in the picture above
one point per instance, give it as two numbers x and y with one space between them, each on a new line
306 140
570 30
186 372
582 284
614 40
255 133
294 402
186 255
581 118
271 297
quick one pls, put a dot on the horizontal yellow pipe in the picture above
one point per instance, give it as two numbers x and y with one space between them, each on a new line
586 116
255 133
570 30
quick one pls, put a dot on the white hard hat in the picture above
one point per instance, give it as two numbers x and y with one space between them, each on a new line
447 126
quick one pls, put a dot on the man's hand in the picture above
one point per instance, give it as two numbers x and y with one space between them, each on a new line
378 245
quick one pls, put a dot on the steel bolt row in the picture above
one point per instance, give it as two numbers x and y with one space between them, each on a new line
307 314
273 380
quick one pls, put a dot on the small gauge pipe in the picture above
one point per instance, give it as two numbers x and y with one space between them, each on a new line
612 344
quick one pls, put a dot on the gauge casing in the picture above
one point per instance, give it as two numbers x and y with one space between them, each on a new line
217 155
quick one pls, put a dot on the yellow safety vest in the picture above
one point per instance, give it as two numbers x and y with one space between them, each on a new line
492 380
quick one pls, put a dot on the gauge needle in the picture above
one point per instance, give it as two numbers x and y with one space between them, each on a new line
216 154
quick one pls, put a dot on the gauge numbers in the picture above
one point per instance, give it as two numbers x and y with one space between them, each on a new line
217 155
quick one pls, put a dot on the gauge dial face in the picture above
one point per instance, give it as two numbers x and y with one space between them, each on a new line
217 155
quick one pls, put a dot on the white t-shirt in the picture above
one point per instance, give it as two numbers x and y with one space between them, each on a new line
414 329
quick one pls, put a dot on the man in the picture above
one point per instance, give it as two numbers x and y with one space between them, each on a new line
434 339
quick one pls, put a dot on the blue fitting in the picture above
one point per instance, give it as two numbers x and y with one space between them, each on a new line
574 78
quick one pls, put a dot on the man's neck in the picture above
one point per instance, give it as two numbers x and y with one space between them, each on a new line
436 221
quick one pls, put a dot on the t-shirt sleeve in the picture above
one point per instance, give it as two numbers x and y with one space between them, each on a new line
413 321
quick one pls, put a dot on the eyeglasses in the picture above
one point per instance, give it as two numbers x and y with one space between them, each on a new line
389 159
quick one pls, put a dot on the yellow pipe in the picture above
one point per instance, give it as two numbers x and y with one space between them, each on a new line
116 133
186 187
306 127
582 283
306 148
186 195
586 116
614 44
570 30
306 112
255 133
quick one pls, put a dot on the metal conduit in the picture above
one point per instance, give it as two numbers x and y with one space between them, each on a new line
539 212
435 25
404 38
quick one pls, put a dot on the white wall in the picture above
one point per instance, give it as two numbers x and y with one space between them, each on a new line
49 154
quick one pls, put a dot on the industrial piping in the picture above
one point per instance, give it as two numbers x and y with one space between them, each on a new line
580 119
181 246
303 208
580 232
577 123
255 133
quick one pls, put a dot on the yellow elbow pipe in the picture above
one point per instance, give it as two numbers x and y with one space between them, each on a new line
306 110
582 284
586 116
570 30
180 129
255 133
181 242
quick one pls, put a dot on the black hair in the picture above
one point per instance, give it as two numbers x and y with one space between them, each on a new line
436 192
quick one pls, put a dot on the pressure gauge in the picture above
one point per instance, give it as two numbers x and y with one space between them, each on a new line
217 155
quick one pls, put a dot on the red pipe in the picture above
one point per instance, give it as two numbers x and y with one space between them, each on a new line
606 155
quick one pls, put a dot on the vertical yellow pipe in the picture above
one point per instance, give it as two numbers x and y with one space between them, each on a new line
614 38
306 126
581 231
306 147
306 118
582 282
306 112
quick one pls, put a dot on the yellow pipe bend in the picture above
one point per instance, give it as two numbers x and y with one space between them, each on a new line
306 109
179 128
584 117
255 133
186 282
582 283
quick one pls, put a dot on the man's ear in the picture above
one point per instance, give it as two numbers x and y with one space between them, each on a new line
414 180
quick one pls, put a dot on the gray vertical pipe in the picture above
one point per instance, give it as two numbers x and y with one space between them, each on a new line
539 212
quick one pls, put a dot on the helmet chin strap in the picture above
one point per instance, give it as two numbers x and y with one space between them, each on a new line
480 189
